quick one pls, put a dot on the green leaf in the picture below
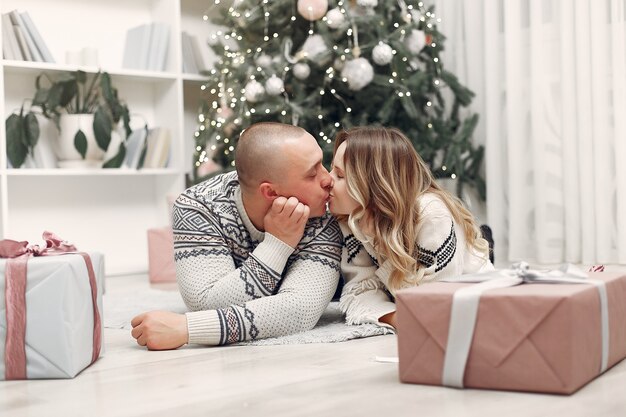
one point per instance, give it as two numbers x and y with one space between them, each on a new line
80 143
118 159
68 92
16 149
102 128
81 76
108 92
31 130
54 96
126 119
65 77
41 96
90 96
38 81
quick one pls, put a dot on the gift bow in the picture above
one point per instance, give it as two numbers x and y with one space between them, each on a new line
465 308
18 254
51 244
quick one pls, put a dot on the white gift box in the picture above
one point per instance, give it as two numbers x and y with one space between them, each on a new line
59 315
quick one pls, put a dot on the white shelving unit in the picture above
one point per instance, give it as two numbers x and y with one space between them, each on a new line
106 210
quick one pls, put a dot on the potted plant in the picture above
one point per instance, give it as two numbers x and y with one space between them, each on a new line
85 109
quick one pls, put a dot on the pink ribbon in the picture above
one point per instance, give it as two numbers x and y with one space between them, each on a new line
18 254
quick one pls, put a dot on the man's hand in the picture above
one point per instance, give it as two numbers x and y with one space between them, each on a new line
160 330
286 220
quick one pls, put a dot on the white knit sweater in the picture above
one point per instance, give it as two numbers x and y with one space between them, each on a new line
244 284
441 249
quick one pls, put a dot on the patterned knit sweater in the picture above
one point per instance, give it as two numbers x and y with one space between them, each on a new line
441 251
244 284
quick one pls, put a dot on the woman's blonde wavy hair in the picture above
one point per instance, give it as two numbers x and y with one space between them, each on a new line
385 175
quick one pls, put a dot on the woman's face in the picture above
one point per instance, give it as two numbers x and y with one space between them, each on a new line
340 201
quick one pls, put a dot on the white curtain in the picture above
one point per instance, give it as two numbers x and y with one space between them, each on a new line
550 80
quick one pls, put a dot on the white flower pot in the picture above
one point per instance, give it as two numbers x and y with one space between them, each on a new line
66 151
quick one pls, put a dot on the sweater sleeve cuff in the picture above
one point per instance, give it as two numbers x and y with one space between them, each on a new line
204 327
384 272
273 252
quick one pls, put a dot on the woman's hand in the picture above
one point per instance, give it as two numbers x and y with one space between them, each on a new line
389 318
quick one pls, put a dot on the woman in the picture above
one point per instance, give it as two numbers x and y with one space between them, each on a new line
400 228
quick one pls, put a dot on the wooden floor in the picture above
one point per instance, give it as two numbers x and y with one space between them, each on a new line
304 380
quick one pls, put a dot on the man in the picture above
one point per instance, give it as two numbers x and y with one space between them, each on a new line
256 253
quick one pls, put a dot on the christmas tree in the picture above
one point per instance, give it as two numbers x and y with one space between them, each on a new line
329 65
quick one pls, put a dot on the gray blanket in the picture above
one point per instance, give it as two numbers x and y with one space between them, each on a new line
120 309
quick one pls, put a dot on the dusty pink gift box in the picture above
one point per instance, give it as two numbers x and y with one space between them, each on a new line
161 255
531 337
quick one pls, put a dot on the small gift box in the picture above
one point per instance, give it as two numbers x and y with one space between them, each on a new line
161 266
554 335
50 313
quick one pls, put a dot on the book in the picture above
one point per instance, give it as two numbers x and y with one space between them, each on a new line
200 53
135 144
36 37
21 41
163 149
16 18
159 44
157 148
137 47
10 47
189 61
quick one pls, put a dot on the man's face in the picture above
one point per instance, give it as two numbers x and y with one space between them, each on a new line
304 176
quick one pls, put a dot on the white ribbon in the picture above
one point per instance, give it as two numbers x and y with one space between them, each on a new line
465 308
288 57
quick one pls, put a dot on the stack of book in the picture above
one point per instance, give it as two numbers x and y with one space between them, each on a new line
146 47
21 40
148 148
195 56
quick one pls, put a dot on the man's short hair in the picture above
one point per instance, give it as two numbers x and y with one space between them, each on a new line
259 150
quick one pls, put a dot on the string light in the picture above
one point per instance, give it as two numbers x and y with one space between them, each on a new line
232 106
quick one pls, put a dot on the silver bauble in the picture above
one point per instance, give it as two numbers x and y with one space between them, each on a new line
274 86
254 90
358 73
301 71
382 54
334 18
